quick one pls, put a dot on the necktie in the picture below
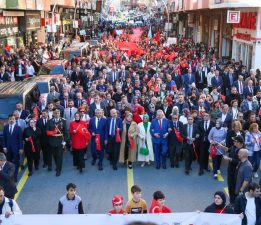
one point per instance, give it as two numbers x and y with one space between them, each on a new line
160 124
10 129
70 112
175 125
206 126
113 127
231 79
201 80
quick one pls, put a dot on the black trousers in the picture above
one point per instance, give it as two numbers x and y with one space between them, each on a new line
78 158
57 152
188 155
114 151
47 156
32 158
175 152
203 155
231 182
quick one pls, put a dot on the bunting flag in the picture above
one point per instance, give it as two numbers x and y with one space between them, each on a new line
30 139
98 142
157 37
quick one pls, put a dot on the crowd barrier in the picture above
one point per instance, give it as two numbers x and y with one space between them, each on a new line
192 218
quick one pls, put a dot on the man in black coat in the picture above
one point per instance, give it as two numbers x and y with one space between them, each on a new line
204 129
57 136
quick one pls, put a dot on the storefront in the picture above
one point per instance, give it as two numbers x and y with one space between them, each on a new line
33 24
9 31
246 39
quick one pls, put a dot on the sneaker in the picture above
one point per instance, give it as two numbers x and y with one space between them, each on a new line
215 176
218 171
255 175
143 164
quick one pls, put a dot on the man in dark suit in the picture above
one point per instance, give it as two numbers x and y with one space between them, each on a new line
240 85
98 126
177 79
20 71
22 112
114 124
7 171
188 79
175 145
249 89
42 125
204 128
113 75
3 75
229 79
57 136
217 81
123 73
166 108
13 143
77 77
160 129
190 133
225 116
97 104
200 77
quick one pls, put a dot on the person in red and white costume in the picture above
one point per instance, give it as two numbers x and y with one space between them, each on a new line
158 203
117 203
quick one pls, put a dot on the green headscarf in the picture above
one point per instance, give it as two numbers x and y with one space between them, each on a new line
145 124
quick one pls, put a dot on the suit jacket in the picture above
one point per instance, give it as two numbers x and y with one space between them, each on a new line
56 141
155 129
110 77
93 107
178 81
13 142
228 120
236 84
172 140
52 96
247 91
4 77
117 125
21 123
187 81
167 112
217 83
102 128
43 128
227 83
203 135
197 77
8 171
126 74
69 117
184 132
24 114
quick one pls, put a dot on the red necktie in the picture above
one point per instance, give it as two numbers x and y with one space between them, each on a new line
160 124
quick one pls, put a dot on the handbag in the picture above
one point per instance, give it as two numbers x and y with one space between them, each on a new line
144 151
213 151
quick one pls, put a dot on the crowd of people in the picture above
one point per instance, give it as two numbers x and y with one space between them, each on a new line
147 104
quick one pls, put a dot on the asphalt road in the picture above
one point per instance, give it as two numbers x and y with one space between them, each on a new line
41 192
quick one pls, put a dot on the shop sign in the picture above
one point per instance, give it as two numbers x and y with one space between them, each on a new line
8 25
247 20
10 31
245 37
33 22
8 20
233 16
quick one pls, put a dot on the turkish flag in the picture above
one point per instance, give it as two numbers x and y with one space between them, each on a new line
98 142
30 139
118 136
132 144
85 133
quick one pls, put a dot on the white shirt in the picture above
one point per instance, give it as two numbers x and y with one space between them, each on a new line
249 105
96 122
209 77
234 112
250 211
30 70
98 106
223 117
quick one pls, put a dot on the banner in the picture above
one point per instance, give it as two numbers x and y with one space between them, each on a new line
193 218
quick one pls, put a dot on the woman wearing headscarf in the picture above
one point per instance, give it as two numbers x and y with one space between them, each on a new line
145 147
216 136
138 115
128 147
219 205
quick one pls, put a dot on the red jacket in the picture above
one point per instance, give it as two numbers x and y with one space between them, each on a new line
82 136
113 211
156 208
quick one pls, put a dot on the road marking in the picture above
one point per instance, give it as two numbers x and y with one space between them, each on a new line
21 183
130 182
226 191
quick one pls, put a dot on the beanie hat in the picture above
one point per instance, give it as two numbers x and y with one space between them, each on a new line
117 199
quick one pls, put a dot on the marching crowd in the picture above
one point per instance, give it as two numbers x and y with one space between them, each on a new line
151 104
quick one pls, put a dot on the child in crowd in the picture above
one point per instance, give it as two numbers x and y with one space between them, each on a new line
136 205
117 203
158 203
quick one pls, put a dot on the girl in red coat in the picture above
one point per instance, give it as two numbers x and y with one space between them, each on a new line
158 203
80 137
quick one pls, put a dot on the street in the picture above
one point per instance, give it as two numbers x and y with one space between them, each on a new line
41 192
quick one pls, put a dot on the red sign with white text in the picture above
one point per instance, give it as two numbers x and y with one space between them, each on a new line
247 20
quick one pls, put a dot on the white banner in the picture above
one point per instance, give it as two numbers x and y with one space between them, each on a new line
192 218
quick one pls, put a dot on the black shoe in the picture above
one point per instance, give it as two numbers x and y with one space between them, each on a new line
157 167
50 168
30 173
187 172
130 166
44 165
36 168
172 166
93 162
22 167
58 174
164 167
80 170
200 172
100 167
115 168
208 170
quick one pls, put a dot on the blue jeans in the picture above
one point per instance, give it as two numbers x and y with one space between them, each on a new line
160 152
255 160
